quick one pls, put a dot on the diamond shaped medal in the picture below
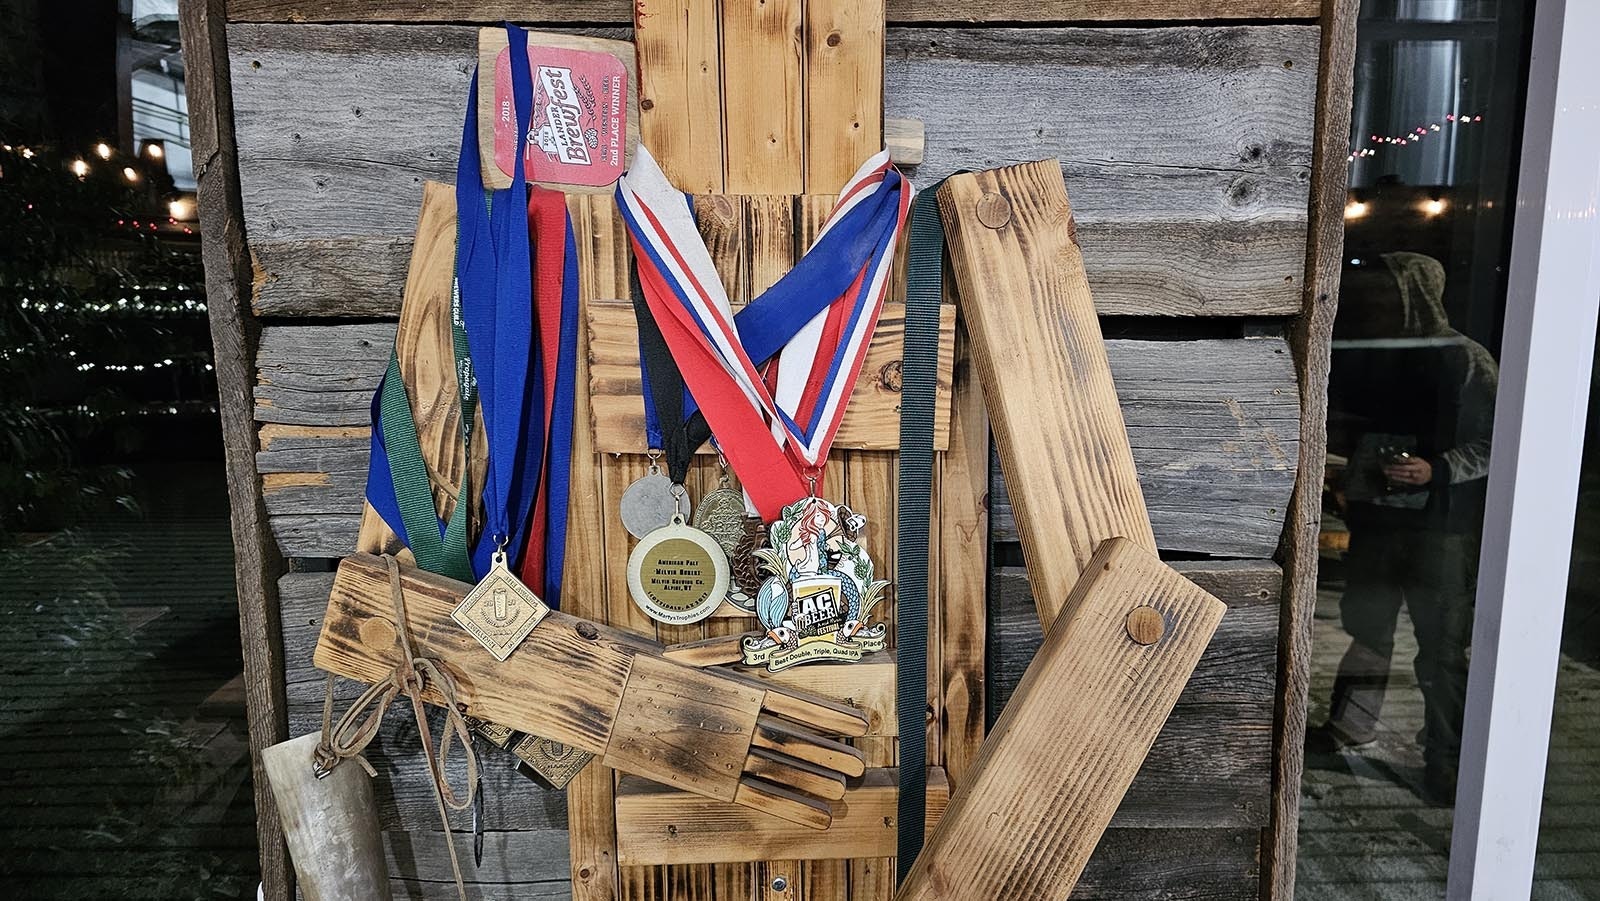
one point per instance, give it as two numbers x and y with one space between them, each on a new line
500 611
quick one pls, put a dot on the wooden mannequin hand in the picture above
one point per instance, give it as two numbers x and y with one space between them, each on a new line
606 691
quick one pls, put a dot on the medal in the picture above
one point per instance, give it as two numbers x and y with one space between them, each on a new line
820 590
678 574
774 381
721 515
650 502
500 611
549 763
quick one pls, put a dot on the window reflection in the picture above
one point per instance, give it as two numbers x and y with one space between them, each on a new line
1433 154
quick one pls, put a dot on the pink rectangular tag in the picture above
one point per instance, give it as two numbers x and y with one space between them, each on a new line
578 134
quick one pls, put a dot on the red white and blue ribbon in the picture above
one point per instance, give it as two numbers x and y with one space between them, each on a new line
811 329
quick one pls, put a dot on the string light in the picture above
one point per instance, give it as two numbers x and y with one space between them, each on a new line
80 168
103 150
1355 209
1434 207
130 174
181 209
154 151
1414 136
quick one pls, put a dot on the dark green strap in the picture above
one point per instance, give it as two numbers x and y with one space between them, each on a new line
919 380
449 554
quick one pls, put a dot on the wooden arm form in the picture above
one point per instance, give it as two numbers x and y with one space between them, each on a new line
608 692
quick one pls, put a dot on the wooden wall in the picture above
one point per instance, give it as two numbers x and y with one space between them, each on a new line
1190 149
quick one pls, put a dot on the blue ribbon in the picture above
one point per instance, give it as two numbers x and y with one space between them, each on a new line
494 270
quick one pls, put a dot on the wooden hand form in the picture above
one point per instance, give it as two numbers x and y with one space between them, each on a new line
608 692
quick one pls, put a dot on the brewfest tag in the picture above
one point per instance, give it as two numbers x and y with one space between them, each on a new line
579 132
500 611
678 574
819 592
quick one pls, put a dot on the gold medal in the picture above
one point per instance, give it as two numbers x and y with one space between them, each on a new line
678 574
500 611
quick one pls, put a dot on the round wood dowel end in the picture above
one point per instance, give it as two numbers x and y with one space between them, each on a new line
1146 625
994 210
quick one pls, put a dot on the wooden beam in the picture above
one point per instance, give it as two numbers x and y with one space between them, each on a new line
1311 340
621 11
1043 789
234 335
1044 371
660 825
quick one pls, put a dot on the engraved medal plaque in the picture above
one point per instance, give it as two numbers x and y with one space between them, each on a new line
500 611
549 763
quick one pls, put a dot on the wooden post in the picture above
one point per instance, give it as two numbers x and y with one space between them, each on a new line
1044 787
234 335
1310 338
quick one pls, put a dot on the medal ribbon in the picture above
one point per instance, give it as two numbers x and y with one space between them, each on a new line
817 321
555 301
494 271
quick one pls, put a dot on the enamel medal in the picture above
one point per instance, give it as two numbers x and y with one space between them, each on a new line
500 611
819 591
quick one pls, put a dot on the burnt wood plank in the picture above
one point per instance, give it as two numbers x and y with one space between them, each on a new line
1199 210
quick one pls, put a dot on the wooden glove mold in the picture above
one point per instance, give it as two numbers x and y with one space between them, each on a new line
606 691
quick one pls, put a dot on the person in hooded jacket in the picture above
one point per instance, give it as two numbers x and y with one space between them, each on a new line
1411 407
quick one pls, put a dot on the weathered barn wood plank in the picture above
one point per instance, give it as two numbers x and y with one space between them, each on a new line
621 11
1310 338
1187 171
1127 864
1236 667
234 334
1214 427
1200 209
1208 766
1203 416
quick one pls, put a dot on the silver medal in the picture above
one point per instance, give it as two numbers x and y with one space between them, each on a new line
651 502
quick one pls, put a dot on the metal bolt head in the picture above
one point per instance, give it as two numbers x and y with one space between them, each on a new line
780 883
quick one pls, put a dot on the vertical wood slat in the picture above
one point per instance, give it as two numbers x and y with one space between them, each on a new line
843 89
680 90
960 592
591 797
762 97
1310 341
235 334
